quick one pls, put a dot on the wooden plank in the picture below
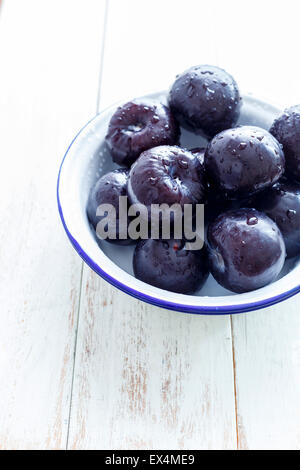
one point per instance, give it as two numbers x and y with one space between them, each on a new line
257 43
49 60
145 377
144 45
259 48
149 378
267 358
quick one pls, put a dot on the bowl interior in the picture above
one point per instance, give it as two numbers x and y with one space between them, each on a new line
87 159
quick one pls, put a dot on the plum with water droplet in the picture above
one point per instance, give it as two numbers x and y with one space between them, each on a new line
137 126
205 99
167 264
246 250
244 160
167 174
107 190
282 204
286 129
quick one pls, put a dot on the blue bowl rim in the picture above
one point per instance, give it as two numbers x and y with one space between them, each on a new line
193 309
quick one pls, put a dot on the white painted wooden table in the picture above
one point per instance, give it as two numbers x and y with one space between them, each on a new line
83 365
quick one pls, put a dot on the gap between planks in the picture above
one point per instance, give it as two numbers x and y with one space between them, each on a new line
104 25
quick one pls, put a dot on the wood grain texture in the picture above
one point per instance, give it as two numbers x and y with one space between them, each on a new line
49 59
257 43
145 377
149 378
266 342
267 356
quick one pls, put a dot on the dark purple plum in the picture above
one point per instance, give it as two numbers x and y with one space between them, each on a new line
137 126
168 265
205 99
246 250
166 174
286 129
107 190
282 204
244 160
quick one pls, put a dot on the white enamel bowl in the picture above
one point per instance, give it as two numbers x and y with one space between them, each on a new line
86 159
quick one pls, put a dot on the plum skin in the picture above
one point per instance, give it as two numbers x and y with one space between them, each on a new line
107 190
246 250
244 160
286 129
168 265
205 99
282 204
166 174
137 126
